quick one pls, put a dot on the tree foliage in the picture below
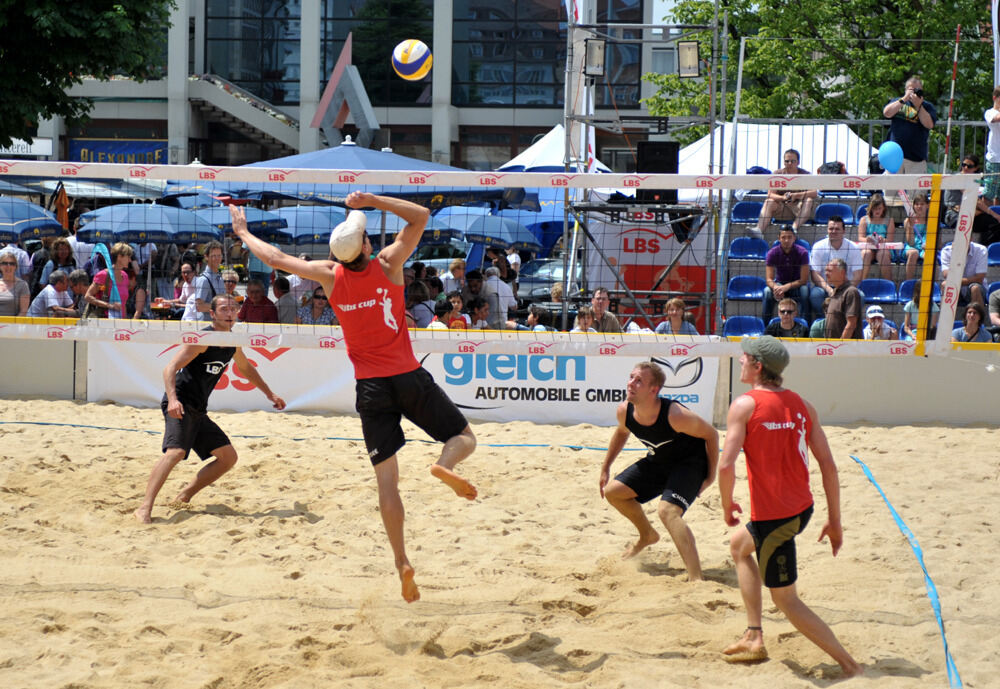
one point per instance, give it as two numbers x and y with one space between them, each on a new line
816 59
48 46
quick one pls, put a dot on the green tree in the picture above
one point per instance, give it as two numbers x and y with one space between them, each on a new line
382 24
47 46
837 60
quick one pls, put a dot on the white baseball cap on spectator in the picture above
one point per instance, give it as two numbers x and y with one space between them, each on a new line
874 311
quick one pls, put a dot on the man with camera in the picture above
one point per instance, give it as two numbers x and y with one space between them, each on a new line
911 119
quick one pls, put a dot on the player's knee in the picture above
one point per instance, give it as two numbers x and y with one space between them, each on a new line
784 597
226 457
669 512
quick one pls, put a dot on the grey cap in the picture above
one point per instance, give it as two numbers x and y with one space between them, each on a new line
769 351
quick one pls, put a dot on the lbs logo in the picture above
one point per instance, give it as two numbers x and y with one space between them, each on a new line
610 348
538 347
328 342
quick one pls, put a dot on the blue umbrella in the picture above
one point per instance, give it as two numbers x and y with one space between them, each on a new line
546 224
260 223
141 222
460 217
22 220
190 200
502 232
311 225
435 232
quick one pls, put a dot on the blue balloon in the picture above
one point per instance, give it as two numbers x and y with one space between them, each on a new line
890 156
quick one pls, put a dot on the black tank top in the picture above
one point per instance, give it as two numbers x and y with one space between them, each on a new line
663 442
195 382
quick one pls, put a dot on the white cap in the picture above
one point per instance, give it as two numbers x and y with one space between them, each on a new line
348 238
874 310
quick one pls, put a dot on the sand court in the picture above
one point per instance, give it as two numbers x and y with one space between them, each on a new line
280 575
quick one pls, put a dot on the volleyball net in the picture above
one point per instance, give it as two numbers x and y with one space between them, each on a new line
646 238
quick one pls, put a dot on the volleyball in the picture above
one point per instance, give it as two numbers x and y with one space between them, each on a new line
412 60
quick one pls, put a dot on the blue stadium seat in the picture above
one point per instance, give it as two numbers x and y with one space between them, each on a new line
993 287
993 254
798 319
737 326
748 248
745 288
861 212
825 210
747 211
801 242
879 291
906 291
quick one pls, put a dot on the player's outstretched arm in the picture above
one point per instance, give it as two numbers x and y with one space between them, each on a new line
320 271
820 448
251 374
618 439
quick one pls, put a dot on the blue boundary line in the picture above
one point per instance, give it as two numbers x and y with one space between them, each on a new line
953 678
261 437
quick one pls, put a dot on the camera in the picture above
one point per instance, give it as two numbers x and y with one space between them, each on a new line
919 93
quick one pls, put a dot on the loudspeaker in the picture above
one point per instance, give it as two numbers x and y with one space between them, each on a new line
657 156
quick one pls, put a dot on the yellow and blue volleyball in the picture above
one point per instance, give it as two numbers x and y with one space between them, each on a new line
412 60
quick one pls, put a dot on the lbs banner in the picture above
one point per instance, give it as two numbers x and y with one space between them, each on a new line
545 388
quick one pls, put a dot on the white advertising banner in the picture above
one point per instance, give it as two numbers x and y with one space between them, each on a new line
488 386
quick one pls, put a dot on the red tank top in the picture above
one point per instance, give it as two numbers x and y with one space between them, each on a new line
372 312
777 452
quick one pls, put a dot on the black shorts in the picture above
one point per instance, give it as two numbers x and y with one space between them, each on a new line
194 431
382 402
775 543
677 482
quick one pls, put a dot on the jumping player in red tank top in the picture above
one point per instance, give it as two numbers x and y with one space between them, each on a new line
367 295
776 429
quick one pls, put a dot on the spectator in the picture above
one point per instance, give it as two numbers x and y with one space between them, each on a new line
55 301
874 230
818 328
973 287
786 273
138 298
912 309
479 312
991 180
79 283
474 286
183 286
81 250
99 293
206 286
974 329
502 300
24 266
538 320
435 288
230 280
61 259
442 311
283 300
258 270
556 293
674 323
514 259
165 264
584 320
317 311
916 234
844 314
604 320
419 305
911 118
39 259
15 295
458 306
877 328
985 221
786 325
995 308
257 308
796 206
419 270
300 287
498 259
834 245
454 279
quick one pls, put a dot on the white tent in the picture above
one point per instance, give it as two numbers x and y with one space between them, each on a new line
763 144
545 155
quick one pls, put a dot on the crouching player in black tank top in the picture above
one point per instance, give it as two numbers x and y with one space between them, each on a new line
683 453
189 379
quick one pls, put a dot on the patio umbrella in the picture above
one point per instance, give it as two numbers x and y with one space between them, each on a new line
22 220
190 200
435 232
142 222
260 223
502 232
546 224
460 217
311 225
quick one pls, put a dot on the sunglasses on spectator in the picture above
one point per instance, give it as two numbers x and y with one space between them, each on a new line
8 263
230 282
319 296
792 311
969 165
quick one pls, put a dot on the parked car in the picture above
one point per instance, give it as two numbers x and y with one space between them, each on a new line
535 281
440 255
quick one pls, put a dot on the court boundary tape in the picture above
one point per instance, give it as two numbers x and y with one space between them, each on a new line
954 680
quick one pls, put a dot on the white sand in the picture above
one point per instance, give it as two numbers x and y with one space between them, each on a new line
280 575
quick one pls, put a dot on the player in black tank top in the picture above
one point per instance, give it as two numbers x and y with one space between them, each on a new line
683 451
189 379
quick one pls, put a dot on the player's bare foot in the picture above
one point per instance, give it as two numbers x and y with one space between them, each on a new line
143 515
410 591
853 670
462 488
179 503
749 649
636 548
